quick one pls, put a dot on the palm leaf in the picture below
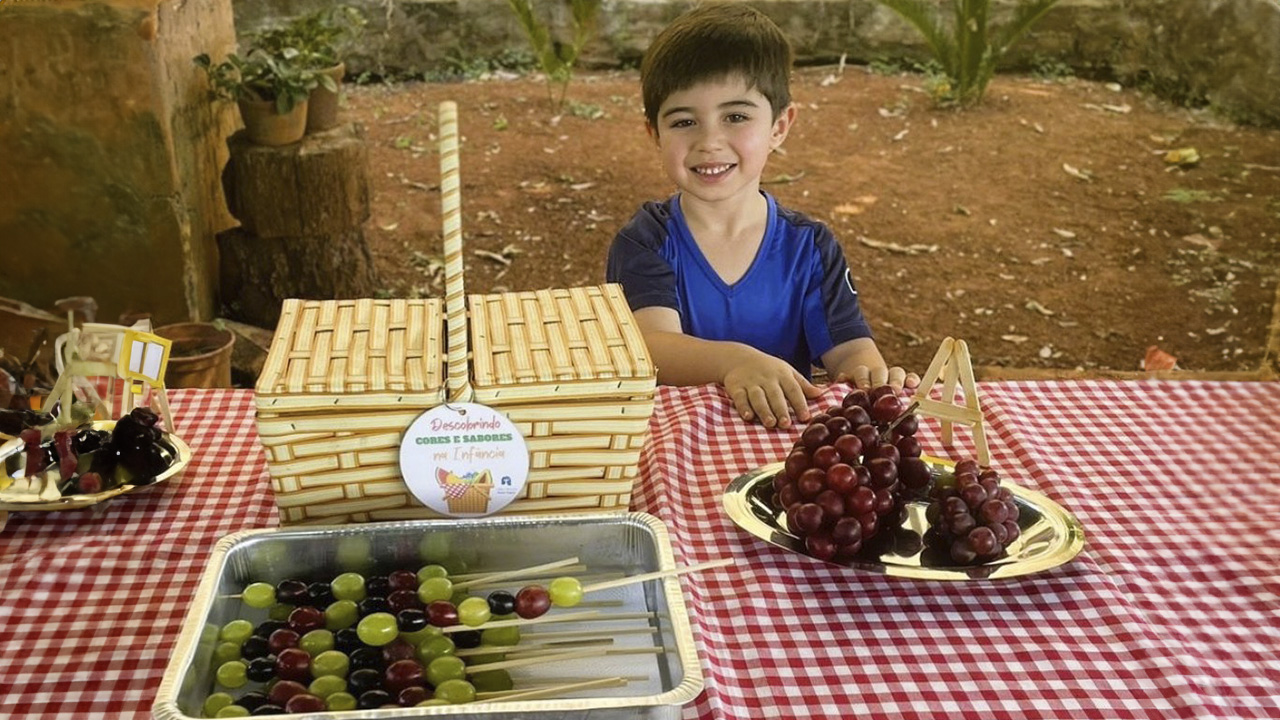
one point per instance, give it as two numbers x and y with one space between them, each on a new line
1024 17
921 14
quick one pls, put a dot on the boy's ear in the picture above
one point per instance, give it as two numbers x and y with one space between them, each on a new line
782 126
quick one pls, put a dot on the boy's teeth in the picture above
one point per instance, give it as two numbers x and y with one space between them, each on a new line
712 169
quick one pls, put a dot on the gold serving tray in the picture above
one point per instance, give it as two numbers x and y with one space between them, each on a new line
13 460
1050 536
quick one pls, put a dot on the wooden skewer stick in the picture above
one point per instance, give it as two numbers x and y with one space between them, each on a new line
509 574
554 690
539 682
657 575
544 579
562 635
566 617
539 660
482 650
551 652
462 577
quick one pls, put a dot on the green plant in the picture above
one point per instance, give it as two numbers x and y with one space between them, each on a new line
555 58
966 48
321 38
261 76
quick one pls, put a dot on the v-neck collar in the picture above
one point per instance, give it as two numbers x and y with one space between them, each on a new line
686 237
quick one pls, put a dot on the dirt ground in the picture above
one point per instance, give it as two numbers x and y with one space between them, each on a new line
1046 227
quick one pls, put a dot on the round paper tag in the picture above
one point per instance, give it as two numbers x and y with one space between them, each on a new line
464 460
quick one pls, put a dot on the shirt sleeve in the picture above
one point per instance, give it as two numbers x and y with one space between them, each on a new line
838 296
637 263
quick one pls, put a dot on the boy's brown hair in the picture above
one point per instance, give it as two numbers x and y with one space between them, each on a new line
711 42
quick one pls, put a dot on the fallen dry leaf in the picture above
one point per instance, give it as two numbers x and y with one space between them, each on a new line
914 249
1085 175
1033 305
1157 359
1063 233
1015 339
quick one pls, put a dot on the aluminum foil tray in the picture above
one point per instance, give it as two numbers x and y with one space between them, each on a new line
663 676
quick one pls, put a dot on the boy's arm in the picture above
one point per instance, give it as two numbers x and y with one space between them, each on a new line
760 385
859 361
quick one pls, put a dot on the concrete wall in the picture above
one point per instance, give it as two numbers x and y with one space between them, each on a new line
1225 52
110 153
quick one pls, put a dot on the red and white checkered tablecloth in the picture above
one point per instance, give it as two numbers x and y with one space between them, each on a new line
1172 610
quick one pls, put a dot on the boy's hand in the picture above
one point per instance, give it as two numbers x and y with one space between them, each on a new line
866 377
768 389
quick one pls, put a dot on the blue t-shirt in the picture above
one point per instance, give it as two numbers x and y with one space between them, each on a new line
796 301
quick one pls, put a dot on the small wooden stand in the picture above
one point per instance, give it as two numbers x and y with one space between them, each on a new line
953 364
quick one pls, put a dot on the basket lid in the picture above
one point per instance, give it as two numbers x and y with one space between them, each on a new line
354 353
558 342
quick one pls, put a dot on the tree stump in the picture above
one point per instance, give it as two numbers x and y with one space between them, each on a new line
302 208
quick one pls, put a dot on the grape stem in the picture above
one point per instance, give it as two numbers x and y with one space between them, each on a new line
884 436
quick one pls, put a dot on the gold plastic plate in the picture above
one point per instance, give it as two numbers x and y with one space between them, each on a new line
1050 536
13 461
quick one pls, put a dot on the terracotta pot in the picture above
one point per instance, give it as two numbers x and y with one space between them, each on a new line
200 356
265 126
322 105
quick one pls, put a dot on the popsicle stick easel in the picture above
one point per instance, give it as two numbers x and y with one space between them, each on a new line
953 366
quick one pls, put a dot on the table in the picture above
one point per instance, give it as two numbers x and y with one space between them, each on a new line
1172 610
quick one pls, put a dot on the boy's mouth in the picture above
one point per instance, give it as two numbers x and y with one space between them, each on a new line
712 171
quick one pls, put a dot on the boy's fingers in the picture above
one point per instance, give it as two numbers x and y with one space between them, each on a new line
760 403
912 380
879 376
741 403
861 377
897 376
797 396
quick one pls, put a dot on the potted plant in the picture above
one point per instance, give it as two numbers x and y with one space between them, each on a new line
321 39
271 90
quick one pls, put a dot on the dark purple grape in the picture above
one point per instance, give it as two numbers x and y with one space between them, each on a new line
292 592
374 699
868 434
961 523
366 658
261 669
254 647
377 586
973 495
347 640
268 709
993 511
809 517
962 552
1012 532
466 639
373 604
319 594
983 541
414 619
269 626
884 472
363 680
857 398
501 602
846 532
820 547
909 426
908 447
252 700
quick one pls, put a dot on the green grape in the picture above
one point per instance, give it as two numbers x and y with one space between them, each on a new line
431 571
456 692
435 588
565 592
226 652
487 658
432 702
500 636
417 637
340 701
348 586
435 647
434 547
326 685
216 702
316 642
492 681
473 611
458 596
232 711
330 662
280 611
236 631
259 595
232 674
446 667
341 614
377 629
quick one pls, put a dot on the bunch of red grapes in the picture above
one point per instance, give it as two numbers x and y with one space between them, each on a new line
855 468
974 518
850 471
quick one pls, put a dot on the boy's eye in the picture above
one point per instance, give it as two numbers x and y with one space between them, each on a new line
737 118
683 122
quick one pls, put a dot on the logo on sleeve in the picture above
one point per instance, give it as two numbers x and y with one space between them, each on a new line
848 280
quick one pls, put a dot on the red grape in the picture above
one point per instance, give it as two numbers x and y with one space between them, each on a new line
880 391
815 435
885 450
914 473
305 619
841 478
398 649
531 602
788 496
973 495
293 664
886 408
283 690
402 674
993 511
861 501
304 703
849 447
869 436
839 426
443 613
809 517
846 531
862 474
282 640
811 482
909 426
832 504
820 546
857 416
884 473
780 480
870 523
983 541
968 465
908 447
825 456
797 462
857 398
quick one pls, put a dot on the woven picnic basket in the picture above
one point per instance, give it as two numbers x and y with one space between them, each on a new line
344 378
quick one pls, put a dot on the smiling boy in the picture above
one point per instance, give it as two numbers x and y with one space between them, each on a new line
727 286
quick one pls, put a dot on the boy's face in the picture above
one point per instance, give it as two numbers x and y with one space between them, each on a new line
715 137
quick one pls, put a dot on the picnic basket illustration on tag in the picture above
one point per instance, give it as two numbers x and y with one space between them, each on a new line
468 493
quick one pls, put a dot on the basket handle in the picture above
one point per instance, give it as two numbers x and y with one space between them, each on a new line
457 381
